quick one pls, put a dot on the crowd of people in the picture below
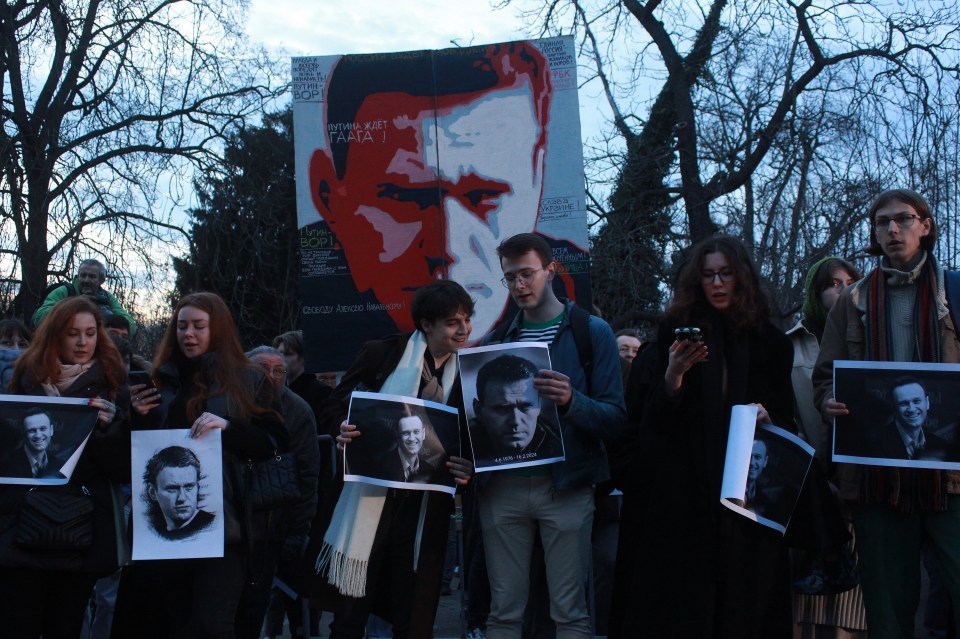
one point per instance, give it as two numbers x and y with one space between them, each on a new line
647 420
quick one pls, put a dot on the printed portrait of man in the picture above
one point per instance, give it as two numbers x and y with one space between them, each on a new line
172 494
910 435
34 457
508 426
432 160
762 496
409 461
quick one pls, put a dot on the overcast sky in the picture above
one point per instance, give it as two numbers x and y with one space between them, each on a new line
331 27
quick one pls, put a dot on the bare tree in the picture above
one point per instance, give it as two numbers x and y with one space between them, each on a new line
772 121
106 105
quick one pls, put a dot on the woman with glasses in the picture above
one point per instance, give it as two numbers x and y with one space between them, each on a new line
703 571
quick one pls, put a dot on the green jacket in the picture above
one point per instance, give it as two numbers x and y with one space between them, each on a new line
103 299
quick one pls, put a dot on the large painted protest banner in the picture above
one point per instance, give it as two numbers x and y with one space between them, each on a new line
415 166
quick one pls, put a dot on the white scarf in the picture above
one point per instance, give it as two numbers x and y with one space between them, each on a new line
349 538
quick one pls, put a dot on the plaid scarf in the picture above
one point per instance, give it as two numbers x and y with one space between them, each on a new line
906 489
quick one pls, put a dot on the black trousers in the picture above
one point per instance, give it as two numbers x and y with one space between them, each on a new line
47 603
180 598
405 597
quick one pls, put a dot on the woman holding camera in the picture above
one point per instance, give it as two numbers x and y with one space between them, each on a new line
729 574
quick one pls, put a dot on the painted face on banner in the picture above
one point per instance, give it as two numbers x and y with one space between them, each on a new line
406 214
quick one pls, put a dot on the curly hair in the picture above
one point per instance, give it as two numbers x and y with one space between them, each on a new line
41 361
232 363
749 308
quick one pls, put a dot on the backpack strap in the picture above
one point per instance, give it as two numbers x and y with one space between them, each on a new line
500 331
580 325
951 281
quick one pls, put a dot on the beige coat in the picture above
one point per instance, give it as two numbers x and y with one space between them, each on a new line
812 427
844 338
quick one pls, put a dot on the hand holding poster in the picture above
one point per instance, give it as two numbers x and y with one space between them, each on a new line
404 442
42 438
510 425
900 414
764 470
177 494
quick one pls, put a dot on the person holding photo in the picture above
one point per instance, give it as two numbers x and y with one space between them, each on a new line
46 593
203 381
730 573
897 313
384 548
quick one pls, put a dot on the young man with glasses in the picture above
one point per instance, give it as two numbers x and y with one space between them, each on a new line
896 313
556 499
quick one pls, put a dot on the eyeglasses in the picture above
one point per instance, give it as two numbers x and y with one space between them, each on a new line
276 372
725 275
523 277
904 221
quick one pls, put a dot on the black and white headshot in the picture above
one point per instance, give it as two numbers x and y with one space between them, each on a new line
39 437
172 494
405 442
177 494
764 470
510 424
901 414
775 474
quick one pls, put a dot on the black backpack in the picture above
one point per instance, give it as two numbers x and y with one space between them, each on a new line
71 289
951 280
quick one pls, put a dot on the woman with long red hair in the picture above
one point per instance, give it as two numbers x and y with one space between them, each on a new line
45 593
203 381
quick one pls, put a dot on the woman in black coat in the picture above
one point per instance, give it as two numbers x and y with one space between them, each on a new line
203 382
703 571
45 593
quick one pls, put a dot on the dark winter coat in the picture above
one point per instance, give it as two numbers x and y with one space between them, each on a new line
104 464
252 439
368 373
730 574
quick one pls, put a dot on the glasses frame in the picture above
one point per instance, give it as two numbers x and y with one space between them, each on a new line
711 278
526 280
902 220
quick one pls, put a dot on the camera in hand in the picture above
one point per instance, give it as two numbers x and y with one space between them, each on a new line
688 333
